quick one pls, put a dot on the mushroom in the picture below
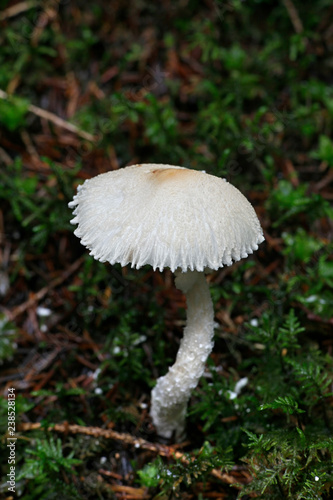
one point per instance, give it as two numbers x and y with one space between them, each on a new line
170 216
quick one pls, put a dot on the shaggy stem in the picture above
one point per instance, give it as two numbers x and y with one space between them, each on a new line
172 391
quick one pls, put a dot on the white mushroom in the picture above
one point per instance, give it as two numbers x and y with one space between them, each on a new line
169 216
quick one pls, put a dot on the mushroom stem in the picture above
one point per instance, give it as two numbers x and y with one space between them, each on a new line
172 391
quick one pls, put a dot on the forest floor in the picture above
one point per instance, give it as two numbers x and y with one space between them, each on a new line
244 91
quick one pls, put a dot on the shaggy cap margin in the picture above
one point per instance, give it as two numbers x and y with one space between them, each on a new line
165 216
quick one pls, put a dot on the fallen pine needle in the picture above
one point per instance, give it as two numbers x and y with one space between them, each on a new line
130 492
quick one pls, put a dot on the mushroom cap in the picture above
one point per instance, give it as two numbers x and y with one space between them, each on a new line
165 216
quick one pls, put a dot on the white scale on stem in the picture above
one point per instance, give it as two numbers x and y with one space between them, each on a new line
172 392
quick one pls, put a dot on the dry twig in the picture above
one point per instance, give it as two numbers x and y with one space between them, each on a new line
4 156
161 449
60 122
294 16
17 9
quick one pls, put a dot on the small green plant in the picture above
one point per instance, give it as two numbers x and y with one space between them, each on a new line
8 337
287 404
325 150
283 409
300 246
291 459
22 405
287 201
40 212
173 478
47 470
13 111
150 474
289 464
